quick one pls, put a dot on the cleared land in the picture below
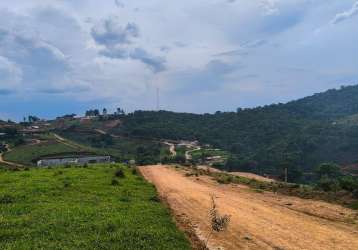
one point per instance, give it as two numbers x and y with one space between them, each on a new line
83 208
258 220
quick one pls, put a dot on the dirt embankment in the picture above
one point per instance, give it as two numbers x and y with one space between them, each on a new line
258 220
240 174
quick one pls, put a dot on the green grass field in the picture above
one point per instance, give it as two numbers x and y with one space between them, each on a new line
27 153
83 208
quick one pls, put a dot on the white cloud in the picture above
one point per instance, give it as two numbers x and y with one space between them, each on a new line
340 17
219 48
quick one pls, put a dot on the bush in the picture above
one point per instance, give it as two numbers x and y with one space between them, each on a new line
155 198
115 182
134 171
111 227
119 173
7 199
127 195
66 183
348 183
327 184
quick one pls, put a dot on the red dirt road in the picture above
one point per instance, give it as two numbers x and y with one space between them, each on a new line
258 220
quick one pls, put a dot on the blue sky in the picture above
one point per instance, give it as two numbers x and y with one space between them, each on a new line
65 56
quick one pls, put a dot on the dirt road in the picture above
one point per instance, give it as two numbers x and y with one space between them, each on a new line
258 220
171 148
7 162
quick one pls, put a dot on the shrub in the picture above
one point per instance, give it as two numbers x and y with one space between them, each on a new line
219 223
115 182
134 171
154 198
327 184
119 173
111 227
354 205
348 183
127 195
7 199
66 183
58 173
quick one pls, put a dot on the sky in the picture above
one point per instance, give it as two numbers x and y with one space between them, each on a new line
67 56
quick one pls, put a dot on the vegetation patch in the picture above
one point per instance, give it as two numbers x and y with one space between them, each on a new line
338 195
27 154
75 208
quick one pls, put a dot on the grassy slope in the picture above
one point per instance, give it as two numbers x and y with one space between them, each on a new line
25 154
122 148
78 208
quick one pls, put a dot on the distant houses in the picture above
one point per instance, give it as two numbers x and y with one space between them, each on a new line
81 160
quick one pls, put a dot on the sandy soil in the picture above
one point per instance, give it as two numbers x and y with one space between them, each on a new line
258 220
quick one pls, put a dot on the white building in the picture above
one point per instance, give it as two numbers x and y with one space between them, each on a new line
81 160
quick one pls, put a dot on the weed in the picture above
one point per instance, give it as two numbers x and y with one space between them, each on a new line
134 171
7 199
126 196
219 223
114 182
119 173
354 205
66 183
155 198
57 173
111 227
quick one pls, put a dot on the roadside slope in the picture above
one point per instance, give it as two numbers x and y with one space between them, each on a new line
258 220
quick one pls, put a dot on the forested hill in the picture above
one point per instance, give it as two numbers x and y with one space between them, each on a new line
302 133
329 105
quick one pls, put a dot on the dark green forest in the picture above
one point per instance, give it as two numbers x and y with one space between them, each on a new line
298 135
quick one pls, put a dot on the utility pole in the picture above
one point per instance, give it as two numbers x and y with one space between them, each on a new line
286 174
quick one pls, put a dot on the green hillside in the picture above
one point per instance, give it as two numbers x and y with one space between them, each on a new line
300 134
83 208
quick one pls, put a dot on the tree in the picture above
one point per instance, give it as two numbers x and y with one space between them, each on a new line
331 170
33 119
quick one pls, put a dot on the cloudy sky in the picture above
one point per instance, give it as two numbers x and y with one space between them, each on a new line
62 56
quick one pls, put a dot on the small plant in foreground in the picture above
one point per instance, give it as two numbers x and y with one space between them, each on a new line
6 199
134 171
66 183
219 223
155 198
119 173
115 182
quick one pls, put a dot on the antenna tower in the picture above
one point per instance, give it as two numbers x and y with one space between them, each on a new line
158 107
